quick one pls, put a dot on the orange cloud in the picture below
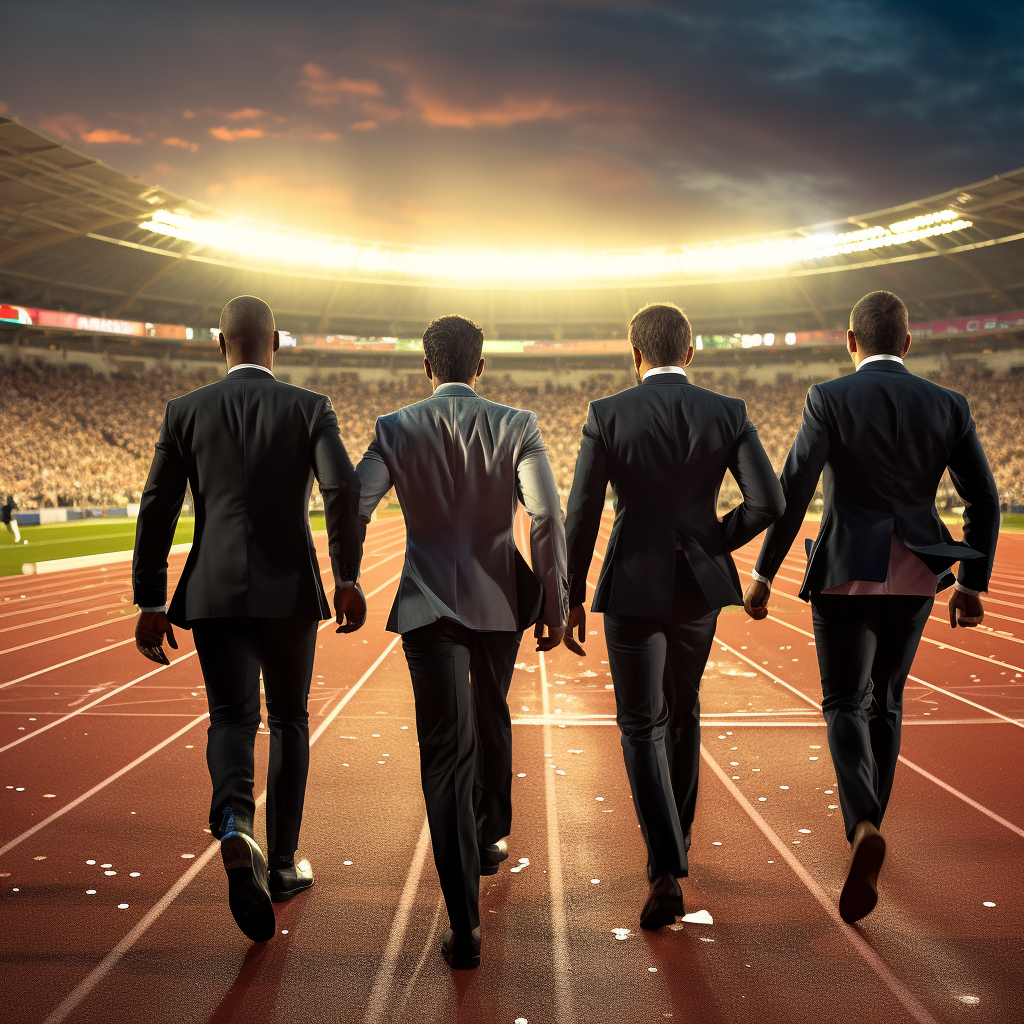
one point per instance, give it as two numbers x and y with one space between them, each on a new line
380 111
232 134
511 110
363 126
188 114
245 114
324 91
3 107
64 126
181 143
104 135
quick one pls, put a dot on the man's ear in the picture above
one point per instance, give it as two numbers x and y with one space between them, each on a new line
906 347
277 340
222 344
480 367
689 355
637 358
426 368
851 342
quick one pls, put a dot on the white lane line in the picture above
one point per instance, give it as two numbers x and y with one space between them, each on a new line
25 609
98 700
110 961
389 961
102 785
109 623
67 615
963 796
916 679
70 661
964 700
908 1000
559 927
949 789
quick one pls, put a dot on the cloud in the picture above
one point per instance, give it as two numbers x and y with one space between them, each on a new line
363 126
245 114
510 110
101 136
323 91
279 199
64 126
233 134
3 107
181 143
188 114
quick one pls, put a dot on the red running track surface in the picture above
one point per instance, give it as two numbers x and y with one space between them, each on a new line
114 903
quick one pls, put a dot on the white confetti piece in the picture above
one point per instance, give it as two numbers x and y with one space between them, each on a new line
90 892
653 970
187 856
134 874
524 862
108 873
595 881
988 904
588 674
521 775
698 917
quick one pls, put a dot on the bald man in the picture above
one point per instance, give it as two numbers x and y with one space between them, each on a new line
250 446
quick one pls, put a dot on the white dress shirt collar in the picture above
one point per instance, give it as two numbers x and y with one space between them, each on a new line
663 369
871 359
251 366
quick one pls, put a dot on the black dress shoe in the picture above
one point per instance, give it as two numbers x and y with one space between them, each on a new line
687 839
290 880
860 891
664 903
248 893
461 952
491 856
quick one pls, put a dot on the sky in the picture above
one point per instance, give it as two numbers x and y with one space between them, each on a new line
516 124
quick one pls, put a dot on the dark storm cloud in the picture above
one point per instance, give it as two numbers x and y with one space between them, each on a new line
523 122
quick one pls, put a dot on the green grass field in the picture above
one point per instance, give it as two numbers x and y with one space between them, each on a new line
98 536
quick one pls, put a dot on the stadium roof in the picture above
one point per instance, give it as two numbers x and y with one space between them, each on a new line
77 233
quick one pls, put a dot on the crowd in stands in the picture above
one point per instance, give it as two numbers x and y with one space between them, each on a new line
69 436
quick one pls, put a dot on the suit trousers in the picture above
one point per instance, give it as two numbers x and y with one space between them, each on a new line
460 680
656 667
866 646
232 653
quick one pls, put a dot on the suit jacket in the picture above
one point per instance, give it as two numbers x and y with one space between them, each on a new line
665 447
249 446
460 466
883 438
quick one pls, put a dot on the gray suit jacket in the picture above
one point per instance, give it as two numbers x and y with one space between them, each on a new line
460 466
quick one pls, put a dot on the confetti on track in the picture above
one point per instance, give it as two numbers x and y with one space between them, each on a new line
729 959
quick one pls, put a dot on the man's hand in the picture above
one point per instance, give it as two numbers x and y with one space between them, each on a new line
349 603
577 624
548 637
755 600
150 629
965 610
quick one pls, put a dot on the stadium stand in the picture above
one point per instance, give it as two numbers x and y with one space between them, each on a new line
84 438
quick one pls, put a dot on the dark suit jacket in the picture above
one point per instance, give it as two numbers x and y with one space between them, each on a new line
884 437
249 446
665 447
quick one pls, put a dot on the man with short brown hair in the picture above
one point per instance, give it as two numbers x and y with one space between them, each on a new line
665 447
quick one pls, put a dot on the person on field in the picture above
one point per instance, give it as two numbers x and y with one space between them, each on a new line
249 447
460 466
665 447
883 438
8 518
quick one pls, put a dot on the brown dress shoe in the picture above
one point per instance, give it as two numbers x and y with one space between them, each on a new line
860 891
664 903
461 952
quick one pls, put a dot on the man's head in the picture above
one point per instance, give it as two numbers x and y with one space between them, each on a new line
879 325
452 350
247 332
660 335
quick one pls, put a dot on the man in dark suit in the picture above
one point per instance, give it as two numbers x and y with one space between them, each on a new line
883 438
249 446
665 447
460 466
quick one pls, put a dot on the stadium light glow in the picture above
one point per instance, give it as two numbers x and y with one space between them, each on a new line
481 266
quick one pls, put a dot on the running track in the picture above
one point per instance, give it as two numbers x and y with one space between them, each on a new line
112 909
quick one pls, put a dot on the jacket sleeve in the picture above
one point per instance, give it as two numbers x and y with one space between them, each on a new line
539 495
339 486
800 477
586 504
763 502
972 477
158 516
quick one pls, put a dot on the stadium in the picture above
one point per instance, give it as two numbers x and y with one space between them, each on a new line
110 293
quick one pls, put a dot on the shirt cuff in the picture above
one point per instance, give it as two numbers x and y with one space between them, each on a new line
162 608
966 590
758 578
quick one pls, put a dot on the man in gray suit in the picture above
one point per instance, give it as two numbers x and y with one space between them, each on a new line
460 466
